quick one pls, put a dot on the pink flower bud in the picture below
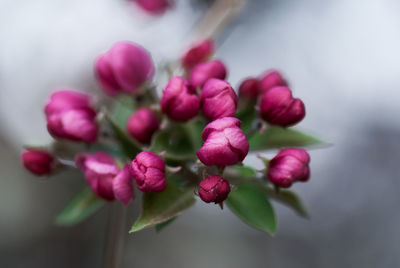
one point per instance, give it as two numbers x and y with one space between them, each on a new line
154 7
142 125
218 99
37 161
271 79
206 70
288 166
278 107
249 89
180 101
224 143
148 169
105 179
122 186
70 116
214 189
124 68
198 53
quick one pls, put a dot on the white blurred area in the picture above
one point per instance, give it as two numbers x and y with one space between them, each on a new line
341 57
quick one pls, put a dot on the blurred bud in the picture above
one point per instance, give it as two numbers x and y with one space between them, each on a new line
198 53
224 143
122 186
70 116
154 7
271 79
142 125
124 68
278 107
105 179
37 161
206 70
218 99
288 166
179 100
249 89
214 189
148 169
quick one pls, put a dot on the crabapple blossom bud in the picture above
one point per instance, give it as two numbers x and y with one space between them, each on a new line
179 100
148 169
105 179
224 143
288 166
154 7
206 70
249 89
218 99
198 53
124 68
122 186
70 116
37 161
142 125
278 107
271 79
214 189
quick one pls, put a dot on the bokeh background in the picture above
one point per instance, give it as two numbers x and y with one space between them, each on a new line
341 57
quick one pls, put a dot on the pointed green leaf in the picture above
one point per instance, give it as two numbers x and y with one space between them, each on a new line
161 226
176 142
128 146
241 171
250 203
85 204
247 117
160 207
124 106
289 199
278 137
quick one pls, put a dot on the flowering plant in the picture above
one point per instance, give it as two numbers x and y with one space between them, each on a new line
174 141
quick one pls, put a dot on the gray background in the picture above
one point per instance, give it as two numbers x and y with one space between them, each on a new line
341 57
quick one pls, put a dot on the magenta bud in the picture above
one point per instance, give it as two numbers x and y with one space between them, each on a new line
142 125
249 89
105 179
288 166
179 100
37 161
206 70
198 53
148 169
278 107
122 186
271 79
154 7
214 189
70 116
224 143
218 99
124 68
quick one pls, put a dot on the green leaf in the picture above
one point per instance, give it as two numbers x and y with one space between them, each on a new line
194 129
161 207
161 226
278 137
85 204
128 146
177 143
247 117
241 171
124 106
289 199
250 203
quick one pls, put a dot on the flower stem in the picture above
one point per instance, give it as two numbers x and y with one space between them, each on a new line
115 236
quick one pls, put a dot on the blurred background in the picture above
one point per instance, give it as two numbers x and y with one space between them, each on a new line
341 57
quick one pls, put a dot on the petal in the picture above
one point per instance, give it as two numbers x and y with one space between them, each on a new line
122 186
